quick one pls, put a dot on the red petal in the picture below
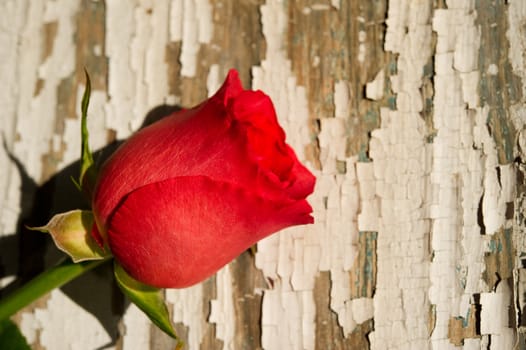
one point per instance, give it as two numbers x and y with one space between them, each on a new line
265 137
256 108
230 89
178 232
181 144
303 182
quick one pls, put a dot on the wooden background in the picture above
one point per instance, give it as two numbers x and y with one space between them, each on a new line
410 113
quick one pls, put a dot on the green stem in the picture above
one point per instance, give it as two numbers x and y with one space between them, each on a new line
48 280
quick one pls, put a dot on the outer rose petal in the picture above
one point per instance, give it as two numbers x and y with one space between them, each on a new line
164 150
177 232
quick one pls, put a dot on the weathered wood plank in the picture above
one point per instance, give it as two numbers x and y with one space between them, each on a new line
410 113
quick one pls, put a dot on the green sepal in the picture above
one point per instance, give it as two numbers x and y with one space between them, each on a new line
71 232
11 338
75 182
147 298
88 173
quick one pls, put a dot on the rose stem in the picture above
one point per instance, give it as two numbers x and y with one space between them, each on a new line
48 280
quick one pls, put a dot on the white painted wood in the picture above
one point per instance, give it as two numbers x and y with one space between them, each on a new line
401 163
420 190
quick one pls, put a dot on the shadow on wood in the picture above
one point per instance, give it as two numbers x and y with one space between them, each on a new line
27 253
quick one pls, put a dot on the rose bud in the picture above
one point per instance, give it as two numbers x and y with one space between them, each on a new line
184 196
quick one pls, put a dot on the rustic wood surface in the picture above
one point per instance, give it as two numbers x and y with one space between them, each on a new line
410 113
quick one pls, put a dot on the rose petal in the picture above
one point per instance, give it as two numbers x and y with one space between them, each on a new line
230 89
165 149
257 110
178 232
265 137
303 182
180 144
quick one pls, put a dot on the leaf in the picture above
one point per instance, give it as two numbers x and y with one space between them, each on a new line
147 298
71 232
11 338
87 166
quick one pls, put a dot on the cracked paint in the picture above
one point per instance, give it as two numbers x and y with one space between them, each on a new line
401 161
411 116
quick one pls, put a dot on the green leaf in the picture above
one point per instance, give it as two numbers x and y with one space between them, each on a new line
147 298
11 338
87 166
71 232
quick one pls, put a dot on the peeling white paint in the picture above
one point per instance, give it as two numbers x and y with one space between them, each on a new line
341 104
213 81
456 178
31 122
336 4
494 310
14 29
517 39
120 30
293 257
351 312
287 319
29 326
191 23
374 90
362 309
320 7
147 52
222 309
422 198
401 163
467 43
76 327
465 169
136 39
187 306
362 36
368 219
517 45
493 69
36 128
136 329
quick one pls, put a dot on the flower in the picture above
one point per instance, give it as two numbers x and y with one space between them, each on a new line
184 196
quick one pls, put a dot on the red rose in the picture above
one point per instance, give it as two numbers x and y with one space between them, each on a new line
186 195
